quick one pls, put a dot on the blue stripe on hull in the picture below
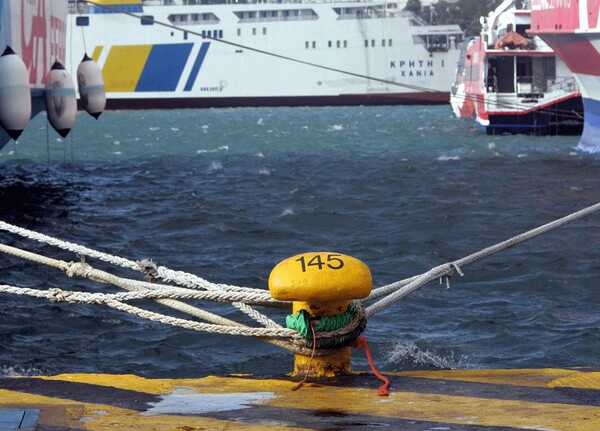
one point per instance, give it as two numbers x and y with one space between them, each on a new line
590 139
164 67
197 65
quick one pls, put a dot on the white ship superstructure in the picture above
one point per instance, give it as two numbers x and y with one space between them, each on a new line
262 53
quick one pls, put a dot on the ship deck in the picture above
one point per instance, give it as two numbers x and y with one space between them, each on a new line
468 400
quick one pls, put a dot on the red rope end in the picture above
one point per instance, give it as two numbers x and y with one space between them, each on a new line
361 343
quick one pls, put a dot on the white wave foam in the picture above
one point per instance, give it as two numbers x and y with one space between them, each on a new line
264 171
287 212
214 150
335 128
592 149
19 371
215 166
407 351
447 158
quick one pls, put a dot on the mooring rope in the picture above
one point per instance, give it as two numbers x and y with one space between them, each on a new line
406 287
242 298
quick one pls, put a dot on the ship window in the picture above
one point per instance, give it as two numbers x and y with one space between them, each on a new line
329 44
306 44
337 44
372 42
147 20
185 35
220 34
82 21
506 74
382 42
314 44
254 31
366 43
239 32
264 30
345 44
390 42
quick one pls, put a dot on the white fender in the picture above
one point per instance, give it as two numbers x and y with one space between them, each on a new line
15 94
61 100
92 92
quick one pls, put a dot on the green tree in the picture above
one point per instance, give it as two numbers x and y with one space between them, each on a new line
413 6
465 13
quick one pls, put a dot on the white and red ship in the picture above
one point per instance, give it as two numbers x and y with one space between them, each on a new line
512 82
32 75
571 28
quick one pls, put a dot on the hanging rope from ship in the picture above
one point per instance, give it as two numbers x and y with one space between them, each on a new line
304 333
500 104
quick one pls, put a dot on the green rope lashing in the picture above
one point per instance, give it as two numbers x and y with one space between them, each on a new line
301 322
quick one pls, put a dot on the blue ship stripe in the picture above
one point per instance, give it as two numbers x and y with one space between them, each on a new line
197 65
590 139
164 67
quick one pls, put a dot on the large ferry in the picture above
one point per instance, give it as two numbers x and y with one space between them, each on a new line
571 29
201 53
513 83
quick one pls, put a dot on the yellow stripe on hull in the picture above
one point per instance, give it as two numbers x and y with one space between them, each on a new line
458 400
124 66
118 2
96 53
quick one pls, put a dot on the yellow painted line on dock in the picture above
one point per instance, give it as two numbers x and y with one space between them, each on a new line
547 399
540 378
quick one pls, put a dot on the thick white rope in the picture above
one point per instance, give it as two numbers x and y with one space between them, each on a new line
179 277
165 295
238 296
408 286
111 300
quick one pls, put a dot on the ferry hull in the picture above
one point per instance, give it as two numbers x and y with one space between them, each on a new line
572 30
581 54
548 120
230 102
262 54
469 400
512 84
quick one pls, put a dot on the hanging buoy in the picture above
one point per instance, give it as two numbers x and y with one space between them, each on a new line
15 94
61 100
92 92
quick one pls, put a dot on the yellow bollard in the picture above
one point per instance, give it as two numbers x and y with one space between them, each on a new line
322 283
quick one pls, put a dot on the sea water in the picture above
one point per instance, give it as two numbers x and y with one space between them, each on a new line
228 193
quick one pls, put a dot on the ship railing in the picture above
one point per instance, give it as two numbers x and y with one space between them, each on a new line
237 2
528 86
566 84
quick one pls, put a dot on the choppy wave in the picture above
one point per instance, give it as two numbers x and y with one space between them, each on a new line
230 195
